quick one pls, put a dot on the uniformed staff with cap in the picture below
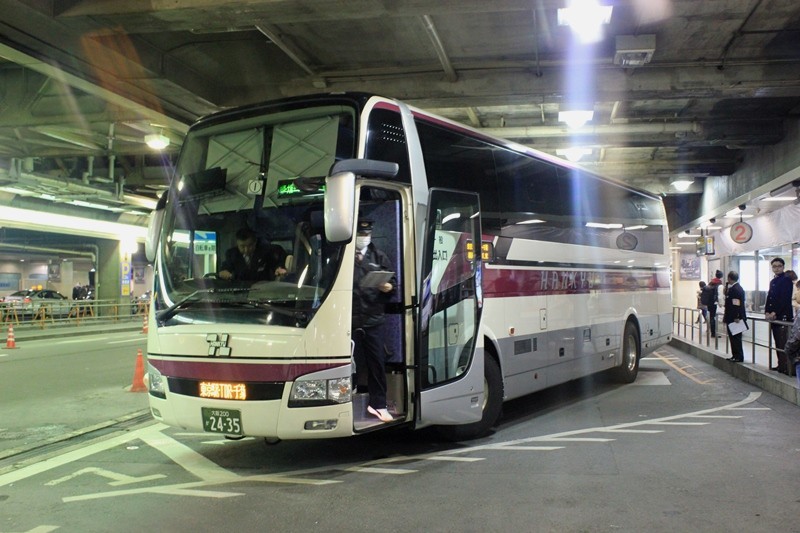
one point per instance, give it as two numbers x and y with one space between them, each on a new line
368 314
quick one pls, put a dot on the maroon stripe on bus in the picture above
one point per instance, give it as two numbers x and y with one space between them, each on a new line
218 370
511 282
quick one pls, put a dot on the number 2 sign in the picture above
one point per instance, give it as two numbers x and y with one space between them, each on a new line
741 232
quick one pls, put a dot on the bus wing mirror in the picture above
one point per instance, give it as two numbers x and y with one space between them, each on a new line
340 203
340 193
154 228
367 167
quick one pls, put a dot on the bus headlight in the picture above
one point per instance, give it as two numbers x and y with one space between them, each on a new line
307 392
155 382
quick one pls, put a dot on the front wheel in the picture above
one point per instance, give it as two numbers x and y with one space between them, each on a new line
491 408
628 369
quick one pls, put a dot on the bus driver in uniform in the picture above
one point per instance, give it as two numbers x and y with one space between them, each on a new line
250 260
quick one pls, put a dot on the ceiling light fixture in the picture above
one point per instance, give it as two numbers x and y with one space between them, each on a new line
682 185
585 18
156 141
634 50
573 154
575 118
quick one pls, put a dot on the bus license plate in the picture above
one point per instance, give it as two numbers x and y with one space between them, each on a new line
227 421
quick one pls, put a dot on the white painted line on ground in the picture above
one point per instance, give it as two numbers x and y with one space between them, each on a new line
716 416
278 478
577 439
188 459
652 378
76 455
681 423
184 489
143 341
455 459
118 479
378 470
527 448
610 430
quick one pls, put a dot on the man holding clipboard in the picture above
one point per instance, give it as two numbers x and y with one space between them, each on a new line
735 317
373 283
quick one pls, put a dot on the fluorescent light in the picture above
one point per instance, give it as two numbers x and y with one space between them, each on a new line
682 185
573 154
156 141
603 226
631 228
531 221
779 199
451 216
575 118
585 17
13 217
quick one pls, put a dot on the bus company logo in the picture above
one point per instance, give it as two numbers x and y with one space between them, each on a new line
218 345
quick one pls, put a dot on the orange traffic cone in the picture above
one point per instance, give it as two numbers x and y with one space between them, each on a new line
144 323
138 374
10 342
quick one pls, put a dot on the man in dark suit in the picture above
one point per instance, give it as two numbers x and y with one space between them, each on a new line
251 260
734 313
779 307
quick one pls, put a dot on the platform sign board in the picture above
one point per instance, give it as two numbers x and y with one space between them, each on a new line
741 232
125 278
205 242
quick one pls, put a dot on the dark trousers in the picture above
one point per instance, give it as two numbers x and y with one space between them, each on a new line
737 352
368 353
780 334
712 319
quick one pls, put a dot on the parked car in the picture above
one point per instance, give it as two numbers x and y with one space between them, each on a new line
28 302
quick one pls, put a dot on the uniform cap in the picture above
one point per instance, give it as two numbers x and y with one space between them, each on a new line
364 226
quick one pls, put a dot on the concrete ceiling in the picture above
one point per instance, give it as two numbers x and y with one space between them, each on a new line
82 81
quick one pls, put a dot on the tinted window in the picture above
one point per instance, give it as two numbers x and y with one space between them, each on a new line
386 141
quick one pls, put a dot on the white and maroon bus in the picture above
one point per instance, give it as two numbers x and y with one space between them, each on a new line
516 271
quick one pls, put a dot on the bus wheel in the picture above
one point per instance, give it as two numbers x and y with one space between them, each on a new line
492 405
628 369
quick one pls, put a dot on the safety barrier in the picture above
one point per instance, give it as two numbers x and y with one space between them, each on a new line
72 312
757 341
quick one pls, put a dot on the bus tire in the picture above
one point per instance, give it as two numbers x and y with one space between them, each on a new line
492 405
628 369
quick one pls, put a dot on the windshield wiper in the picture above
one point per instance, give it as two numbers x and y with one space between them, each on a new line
169 312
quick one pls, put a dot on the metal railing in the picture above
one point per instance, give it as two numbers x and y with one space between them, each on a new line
757 340
72 312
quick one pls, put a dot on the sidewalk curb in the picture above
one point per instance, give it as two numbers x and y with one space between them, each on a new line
783 387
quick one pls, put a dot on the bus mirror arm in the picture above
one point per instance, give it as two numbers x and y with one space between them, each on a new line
366 167
156 218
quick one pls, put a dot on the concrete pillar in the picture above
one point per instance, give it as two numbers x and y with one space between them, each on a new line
108 279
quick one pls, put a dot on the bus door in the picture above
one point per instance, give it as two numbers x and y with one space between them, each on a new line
450 375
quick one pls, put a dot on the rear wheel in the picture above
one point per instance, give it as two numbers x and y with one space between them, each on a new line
628 369
491 408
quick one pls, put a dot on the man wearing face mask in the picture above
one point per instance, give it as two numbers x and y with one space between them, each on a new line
368 313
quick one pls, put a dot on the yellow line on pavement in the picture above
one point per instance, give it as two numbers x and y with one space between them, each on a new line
668 360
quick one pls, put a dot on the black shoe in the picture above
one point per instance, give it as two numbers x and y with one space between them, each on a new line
775 368
734 360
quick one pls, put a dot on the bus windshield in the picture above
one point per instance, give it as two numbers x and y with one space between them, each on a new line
243 238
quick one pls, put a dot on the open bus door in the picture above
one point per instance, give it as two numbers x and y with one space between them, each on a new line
450 350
